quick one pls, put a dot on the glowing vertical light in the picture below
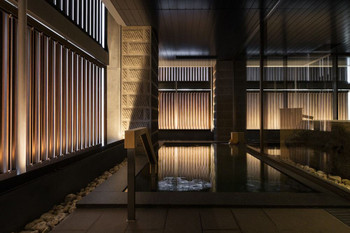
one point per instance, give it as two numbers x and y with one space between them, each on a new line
348 80
86 15
73 14
103 107
103 24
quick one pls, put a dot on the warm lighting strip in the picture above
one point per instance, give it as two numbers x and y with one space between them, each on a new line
64 94
184 110
184 74
317 105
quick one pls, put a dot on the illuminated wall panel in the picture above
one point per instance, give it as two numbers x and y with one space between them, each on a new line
319 106
184 110
187 108
64 93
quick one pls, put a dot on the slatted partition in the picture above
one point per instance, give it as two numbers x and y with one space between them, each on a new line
87 14
319 106
64 94
187 107
309 74
184 110
185 74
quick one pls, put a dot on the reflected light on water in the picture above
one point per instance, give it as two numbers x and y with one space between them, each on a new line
186 168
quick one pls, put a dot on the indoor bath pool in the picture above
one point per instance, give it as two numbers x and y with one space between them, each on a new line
214 168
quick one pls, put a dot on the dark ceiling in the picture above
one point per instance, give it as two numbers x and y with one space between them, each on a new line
227 28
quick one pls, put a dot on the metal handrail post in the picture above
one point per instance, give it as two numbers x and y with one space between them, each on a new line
131 185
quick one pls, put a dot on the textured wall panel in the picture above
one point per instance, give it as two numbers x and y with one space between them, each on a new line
139 58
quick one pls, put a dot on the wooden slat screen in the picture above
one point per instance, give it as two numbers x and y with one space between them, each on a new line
89 15
64 94
318 105
184 110
184 74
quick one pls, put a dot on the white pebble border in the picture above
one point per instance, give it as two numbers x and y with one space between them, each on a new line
58 213
337 180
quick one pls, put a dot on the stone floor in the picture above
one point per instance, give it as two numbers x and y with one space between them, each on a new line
206 220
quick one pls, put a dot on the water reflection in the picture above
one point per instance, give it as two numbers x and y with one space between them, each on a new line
217 168
317 159
186 168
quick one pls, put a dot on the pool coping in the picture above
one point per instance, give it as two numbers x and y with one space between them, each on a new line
111 193
300 175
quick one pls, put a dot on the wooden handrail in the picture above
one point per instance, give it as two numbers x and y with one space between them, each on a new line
130 143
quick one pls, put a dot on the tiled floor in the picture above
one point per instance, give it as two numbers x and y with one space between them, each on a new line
206 220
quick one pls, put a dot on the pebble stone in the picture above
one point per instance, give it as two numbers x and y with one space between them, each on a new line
53 217
345 183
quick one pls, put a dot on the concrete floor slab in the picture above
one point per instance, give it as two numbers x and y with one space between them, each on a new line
183 220
80 220
149 219
254 221
110 221
206 220
306 220
217 219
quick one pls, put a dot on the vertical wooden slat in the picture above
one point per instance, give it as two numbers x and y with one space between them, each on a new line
13 76
32 99
76 80
92 96
97 105
37 105
64 100
70 100
82 13
29 89
83 101
45 96
4 93
59 94
79 101
100 106
89 104
52 97
98 21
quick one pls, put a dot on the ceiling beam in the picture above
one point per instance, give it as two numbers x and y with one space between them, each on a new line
113 11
